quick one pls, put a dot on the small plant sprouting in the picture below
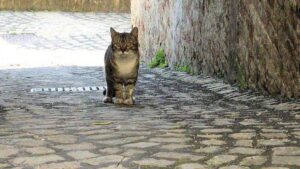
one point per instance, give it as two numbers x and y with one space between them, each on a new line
185 68
241 79
159 60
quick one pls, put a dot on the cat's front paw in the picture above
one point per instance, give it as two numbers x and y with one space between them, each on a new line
129 101
119 101
107 100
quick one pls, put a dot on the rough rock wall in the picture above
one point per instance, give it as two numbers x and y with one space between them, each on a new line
67 5
252 43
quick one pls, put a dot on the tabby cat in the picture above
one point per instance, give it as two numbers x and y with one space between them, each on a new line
121 67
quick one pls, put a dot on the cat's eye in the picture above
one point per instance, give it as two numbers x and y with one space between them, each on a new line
132 46
116 46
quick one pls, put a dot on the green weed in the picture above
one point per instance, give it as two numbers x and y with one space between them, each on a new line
159 60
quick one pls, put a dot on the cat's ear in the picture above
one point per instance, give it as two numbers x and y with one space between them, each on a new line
135 32
113 32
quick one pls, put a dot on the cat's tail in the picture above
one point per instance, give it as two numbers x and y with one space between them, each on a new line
104 91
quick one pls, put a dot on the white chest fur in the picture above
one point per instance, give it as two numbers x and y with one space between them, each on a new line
126 63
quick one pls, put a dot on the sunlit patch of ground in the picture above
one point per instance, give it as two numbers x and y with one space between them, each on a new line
14 57
43 39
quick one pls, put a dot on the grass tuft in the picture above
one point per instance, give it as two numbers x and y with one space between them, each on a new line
185 68
159 60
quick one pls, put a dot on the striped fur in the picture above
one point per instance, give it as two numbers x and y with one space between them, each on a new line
121 67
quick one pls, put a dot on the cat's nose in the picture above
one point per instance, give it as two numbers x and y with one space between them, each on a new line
123 50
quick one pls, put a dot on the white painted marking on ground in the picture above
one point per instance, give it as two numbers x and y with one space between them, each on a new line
74 89
67 89
86 89
38 90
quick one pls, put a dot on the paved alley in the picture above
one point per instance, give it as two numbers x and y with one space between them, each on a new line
179 121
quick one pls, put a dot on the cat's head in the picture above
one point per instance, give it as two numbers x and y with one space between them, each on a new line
124 42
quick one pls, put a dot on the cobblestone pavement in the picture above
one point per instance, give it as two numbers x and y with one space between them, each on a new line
179 121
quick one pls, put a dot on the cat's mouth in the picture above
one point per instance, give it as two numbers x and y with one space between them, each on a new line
124 53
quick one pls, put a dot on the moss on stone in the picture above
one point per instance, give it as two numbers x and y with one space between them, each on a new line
159 60
184 68
241 78
220 75
262 61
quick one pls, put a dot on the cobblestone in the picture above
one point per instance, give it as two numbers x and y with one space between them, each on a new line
169 140
253 161
64 139
133 152
244 143
234 167
246 151
275 168
114 167
272 142
79 155
286 151
175 146
179 121
63 165
5 153
221 159
151 162
286 160
39 150
192 166
274 135
242 136
104 160
114 150
37 160
213 142
141 145
81 146
178 156
209 150
4 165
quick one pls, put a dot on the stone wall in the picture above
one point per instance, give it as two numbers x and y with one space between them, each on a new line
67 5
254 44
